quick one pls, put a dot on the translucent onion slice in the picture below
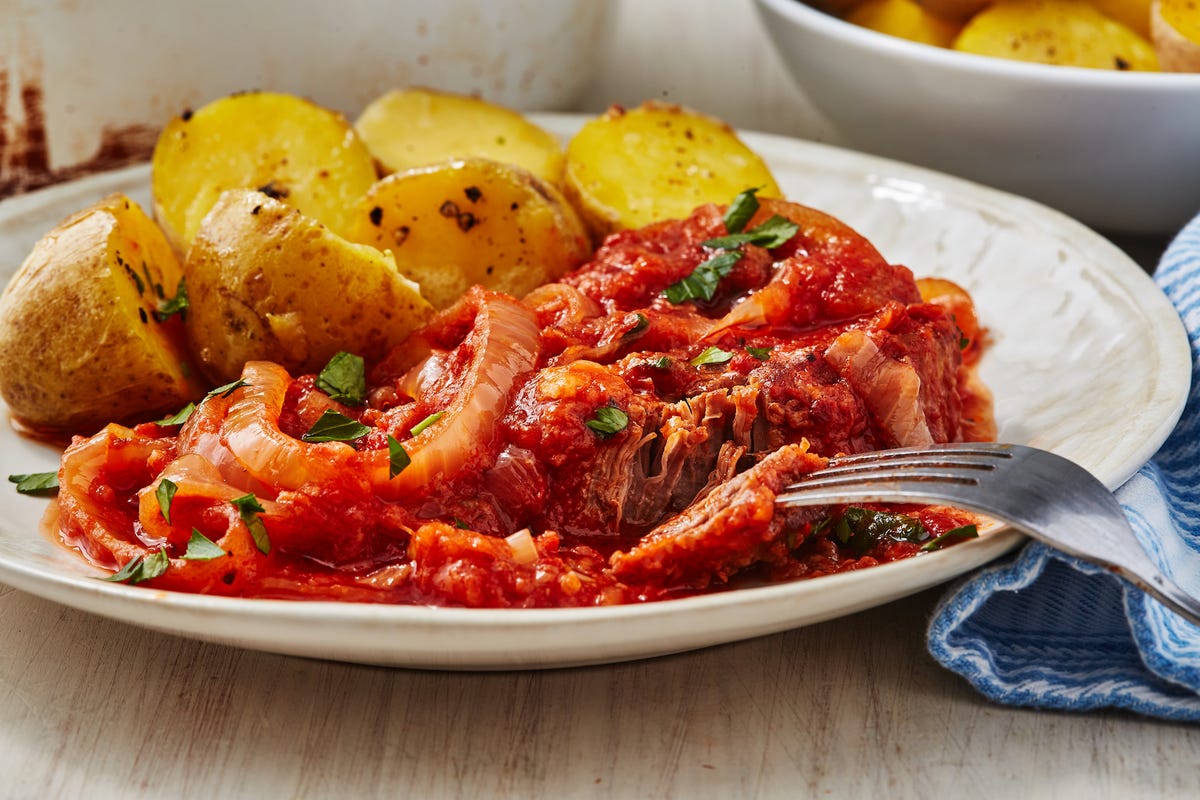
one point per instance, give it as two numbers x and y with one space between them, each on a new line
251 432
504 342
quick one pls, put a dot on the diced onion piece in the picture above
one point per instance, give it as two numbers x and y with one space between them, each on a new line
523 548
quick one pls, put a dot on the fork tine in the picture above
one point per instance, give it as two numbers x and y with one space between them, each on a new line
1039 493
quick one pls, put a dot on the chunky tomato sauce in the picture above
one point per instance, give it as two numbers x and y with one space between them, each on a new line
619 436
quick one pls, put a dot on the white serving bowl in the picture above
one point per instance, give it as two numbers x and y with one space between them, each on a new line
1119 151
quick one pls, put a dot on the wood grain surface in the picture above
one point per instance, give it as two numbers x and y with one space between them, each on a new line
92 708
853 708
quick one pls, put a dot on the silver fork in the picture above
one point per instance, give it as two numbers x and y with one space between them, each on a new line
1043 495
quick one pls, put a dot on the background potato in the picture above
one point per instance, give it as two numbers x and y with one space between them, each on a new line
628 168
267 282
906 19
956 10
1175 27
468 222
288 147
1133 14
1064 32
410 128
81 342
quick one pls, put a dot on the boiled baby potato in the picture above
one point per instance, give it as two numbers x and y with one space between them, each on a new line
1133 14
956 10
468 222
628 168
1176 30
1063 32
905 19
89 329
285 146
268 283
416 127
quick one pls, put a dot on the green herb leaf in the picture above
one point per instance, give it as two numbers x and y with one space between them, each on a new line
425 423
176 305
662 362
165 494
743 207
702 283
249 508
179 417
344 379
761 353
398 457
711 356
772 233
863 529
36 483
608 421
201 548
951 536
639 327
334 427
141 569
227 389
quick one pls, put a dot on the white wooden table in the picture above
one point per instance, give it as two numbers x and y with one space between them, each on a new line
91 708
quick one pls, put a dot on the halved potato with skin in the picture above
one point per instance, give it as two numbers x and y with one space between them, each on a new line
87 333
268 283
283 145
628 168
453 225
416 127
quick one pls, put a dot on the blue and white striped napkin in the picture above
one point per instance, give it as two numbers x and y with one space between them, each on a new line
1049 631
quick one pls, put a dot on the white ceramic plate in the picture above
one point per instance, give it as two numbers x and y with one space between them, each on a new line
1087 359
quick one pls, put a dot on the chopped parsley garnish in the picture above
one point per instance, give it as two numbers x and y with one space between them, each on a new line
249 508
772 233
398 457
38 483
201 548
743 207
179 417
141 569
761 353
702 283
165 493
608 421
344 379
334 427
711 356
639 327
176 305
227 389
425 423
862 529
951 536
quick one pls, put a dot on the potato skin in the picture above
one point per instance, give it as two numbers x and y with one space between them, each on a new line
416 127
453 225
80 342
293 149
268 283
907 20
628 168
1175 28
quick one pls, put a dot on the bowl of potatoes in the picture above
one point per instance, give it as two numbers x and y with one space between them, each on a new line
1089 106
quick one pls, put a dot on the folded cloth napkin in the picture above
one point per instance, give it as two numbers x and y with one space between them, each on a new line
1047 630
